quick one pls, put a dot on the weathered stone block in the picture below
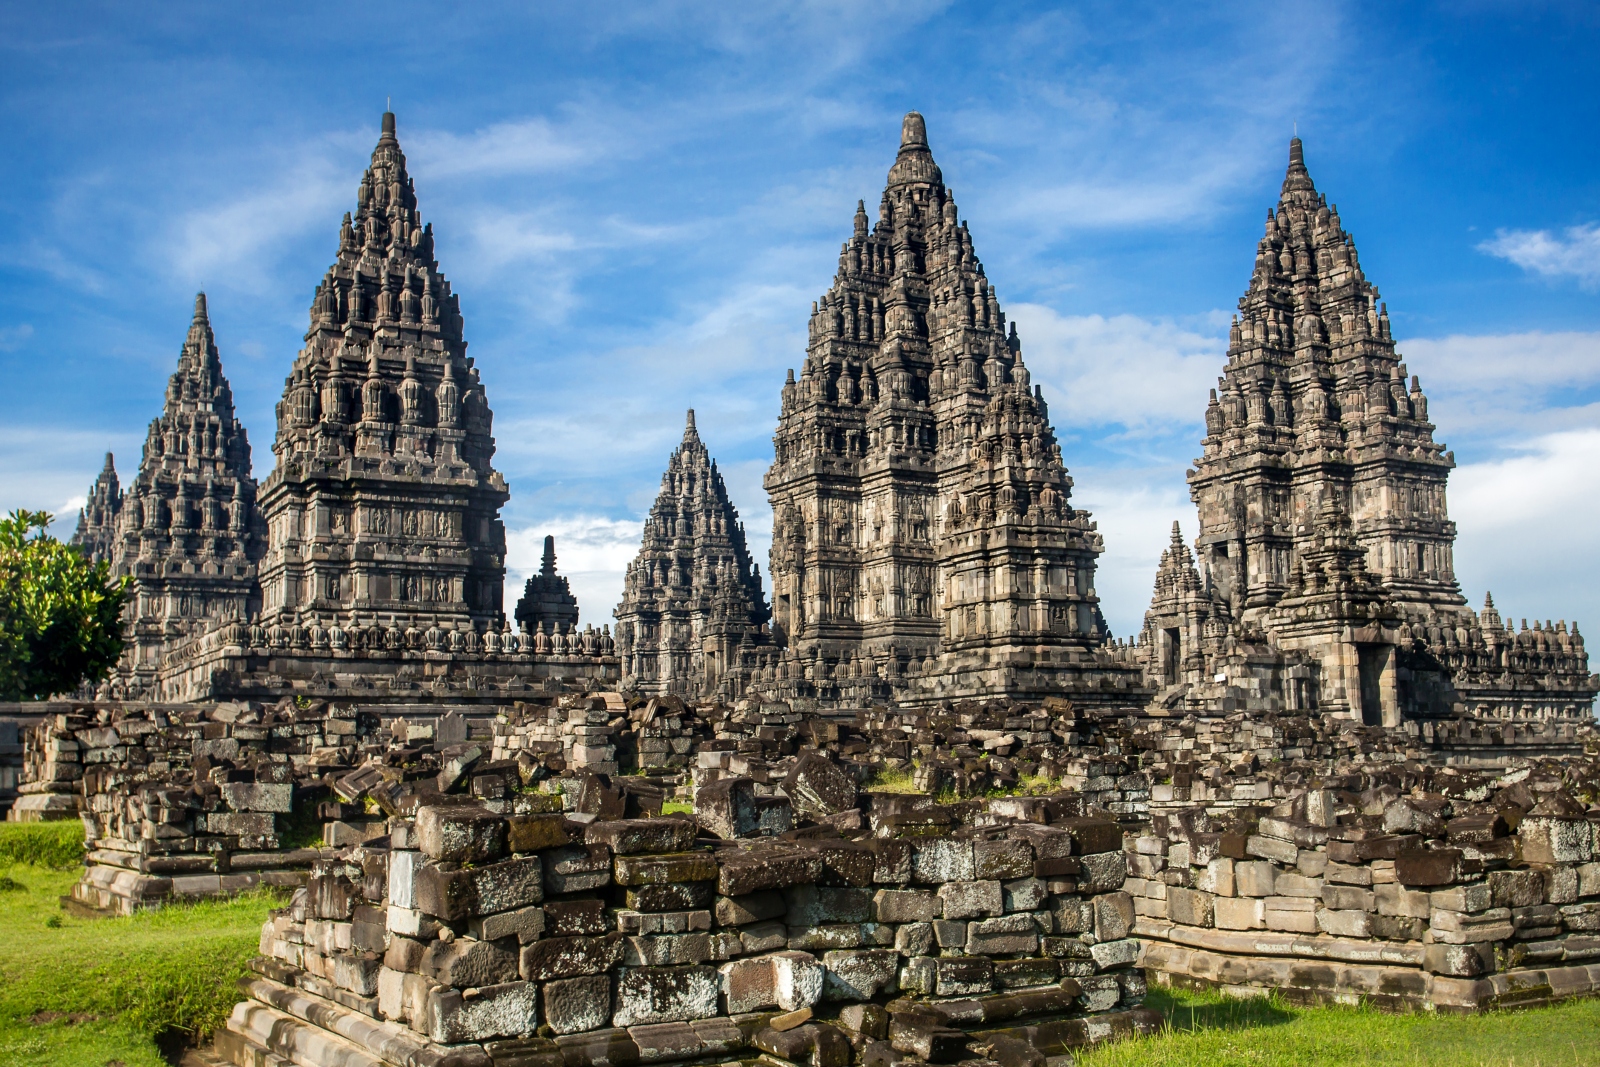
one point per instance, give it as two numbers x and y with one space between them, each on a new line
449 1017
569 957
1238 913
818 787
727 807
1191 907
1008 935
465 963
965 900
859 974
813 905
571 918
676 896
665 994
576 1005
626 837
576 869
460 834
751 908
457 894
1002 860
797 979
1113 916
531 833
942 859
665 869
906 906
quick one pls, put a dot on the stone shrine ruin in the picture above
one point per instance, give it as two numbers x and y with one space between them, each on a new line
918 807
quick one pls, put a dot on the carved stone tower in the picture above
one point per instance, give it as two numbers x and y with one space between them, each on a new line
97 519
188 532
1315 406
384 505
692 604
920 504
547 602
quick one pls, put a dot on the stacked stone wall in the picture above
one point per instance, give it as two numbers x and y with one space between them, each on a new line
1405 886
477 937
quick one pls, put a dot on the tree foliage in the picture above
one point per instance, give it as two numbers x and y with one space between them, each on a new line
60 615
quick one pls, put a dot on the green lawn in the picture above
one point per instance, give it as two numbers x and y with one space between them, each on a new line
80 992
1207 1030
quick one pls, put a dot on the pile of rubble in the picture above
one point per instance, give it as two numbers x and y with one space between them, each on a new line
1406 886
498 922
191 800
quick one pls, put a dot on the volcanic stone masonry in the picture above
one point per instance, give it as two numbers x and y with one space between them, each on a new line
1324 579
547 605
187 531
692 618
374 565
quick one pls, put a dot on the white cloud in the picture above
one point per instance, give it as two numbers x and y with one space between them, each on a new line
1122 370
240 238
1575 253
1134 511
1530 526
527 146
14 337
1508 385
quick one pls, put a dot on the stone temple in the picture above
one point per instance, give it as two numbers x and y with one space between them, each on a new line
1324 577
186 530
372 560
924 541
692 617
937 813
924 544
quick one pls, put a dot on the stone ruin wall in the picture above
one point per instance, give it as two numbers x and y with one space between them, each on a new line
622 941
1406 888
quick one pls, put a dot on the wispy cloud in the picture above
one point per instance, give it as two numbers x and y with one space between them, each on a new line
14 337
1492 389
1121 370
1575 253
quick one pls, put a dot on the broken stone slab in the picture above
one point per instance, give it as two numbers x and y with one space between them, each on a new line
818 787
630 836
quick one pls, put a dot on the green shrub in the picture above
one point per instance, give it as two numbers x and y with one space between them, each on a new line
43 844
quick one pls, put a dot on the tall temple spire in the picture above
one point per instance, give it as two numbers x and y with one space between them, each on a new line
692 605
547 604
97 519
1314 385
384 433
188 531
911 436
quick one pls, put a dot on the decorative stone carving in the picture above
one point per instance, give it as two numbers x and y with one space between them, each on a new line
692 610
97 519
1325 577
921 509
384 499
187 530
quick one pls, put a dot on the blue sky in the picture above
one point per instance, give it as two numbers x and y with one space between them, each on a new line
638 203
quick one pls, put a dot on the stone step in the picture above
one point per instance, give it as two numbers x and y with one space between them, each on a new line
260 1036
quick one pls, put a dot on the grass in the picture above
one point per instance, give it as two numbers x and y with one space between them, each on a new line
890 780
80 992
42 844
677 807
1209 1030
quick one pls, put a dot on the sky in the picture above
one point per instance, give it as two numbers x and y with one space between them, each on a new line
637 204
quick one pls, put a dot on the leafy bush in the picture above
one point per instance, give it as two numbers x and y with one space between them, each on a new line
60 615
43 844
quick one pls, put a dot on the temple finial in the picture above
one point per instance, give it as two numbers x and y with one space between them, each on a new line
913 131
388 128
200 312
689 427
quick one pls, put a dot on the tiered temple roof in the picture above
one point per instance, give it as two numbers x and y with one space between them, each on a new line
97 519
384 506
692 608
188 531
921 507
547 603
